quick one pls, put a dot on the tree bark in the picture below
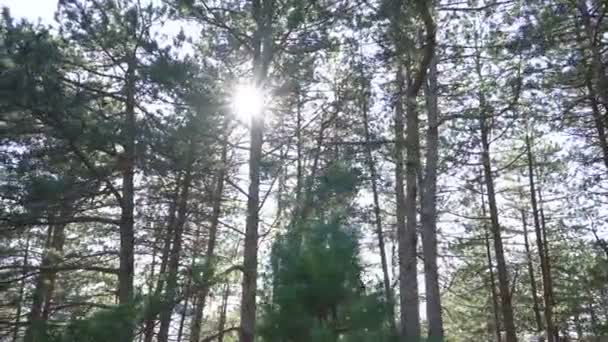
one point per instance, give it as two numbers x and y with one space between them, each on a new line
535 301
496 309
263 11
202 290
501 265
127 204
547 286
21 289
223 310
594 36
53 251
153 309
406 203
428 216
400 197
378 217
168 302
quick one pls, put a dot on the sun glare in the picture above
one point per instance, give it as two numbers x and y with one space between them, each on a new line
247 101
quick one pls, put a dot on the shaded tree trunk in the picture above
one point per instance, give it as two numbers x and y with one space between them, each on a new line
428 216
495 307
154 304
535 301
53 251
21 290
202 290
127 202
263 11
223 310
168 302
378 217
547 286
400 197
501 265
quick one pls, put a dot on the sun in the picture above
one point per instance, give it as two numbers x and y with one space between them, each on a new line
247 101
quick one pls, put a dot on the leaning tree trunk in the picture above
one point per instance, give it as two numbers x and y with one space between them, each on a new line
168 302
153 305
202 290
378 217
503 278
495 307
544 264
43 291
501 265
535 301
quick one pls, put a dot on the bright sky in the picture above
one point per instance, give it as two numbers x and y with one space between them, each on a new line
31 9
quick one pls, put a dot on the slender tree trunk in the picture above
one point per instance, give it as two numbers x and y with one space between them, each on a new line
406 204
127 203
155 300
594 36
299 173
495 307
598 119
223 310
263 11
182 319
168 302
503 277
400 197
56 253
202 290
24 272
547 288
378 217
428 217
535 301
36 330
547 254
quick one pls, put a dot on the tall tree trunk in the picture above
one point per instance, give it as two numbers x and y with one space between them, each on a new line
53 251
24 272
535 301
299 173
182 319
428 216
501 265
594 36
127 204
547 286
547 254
495 307
378 216
503 278
202 290
223 308
168 302
155 300
406 203
263 12
400 197
410 240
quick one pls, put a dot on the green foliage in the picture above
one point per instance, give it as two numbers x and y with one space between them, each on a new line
105 325
317 291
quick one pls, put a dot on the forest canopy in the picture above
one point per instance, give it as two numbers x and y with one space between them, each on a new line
304 170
